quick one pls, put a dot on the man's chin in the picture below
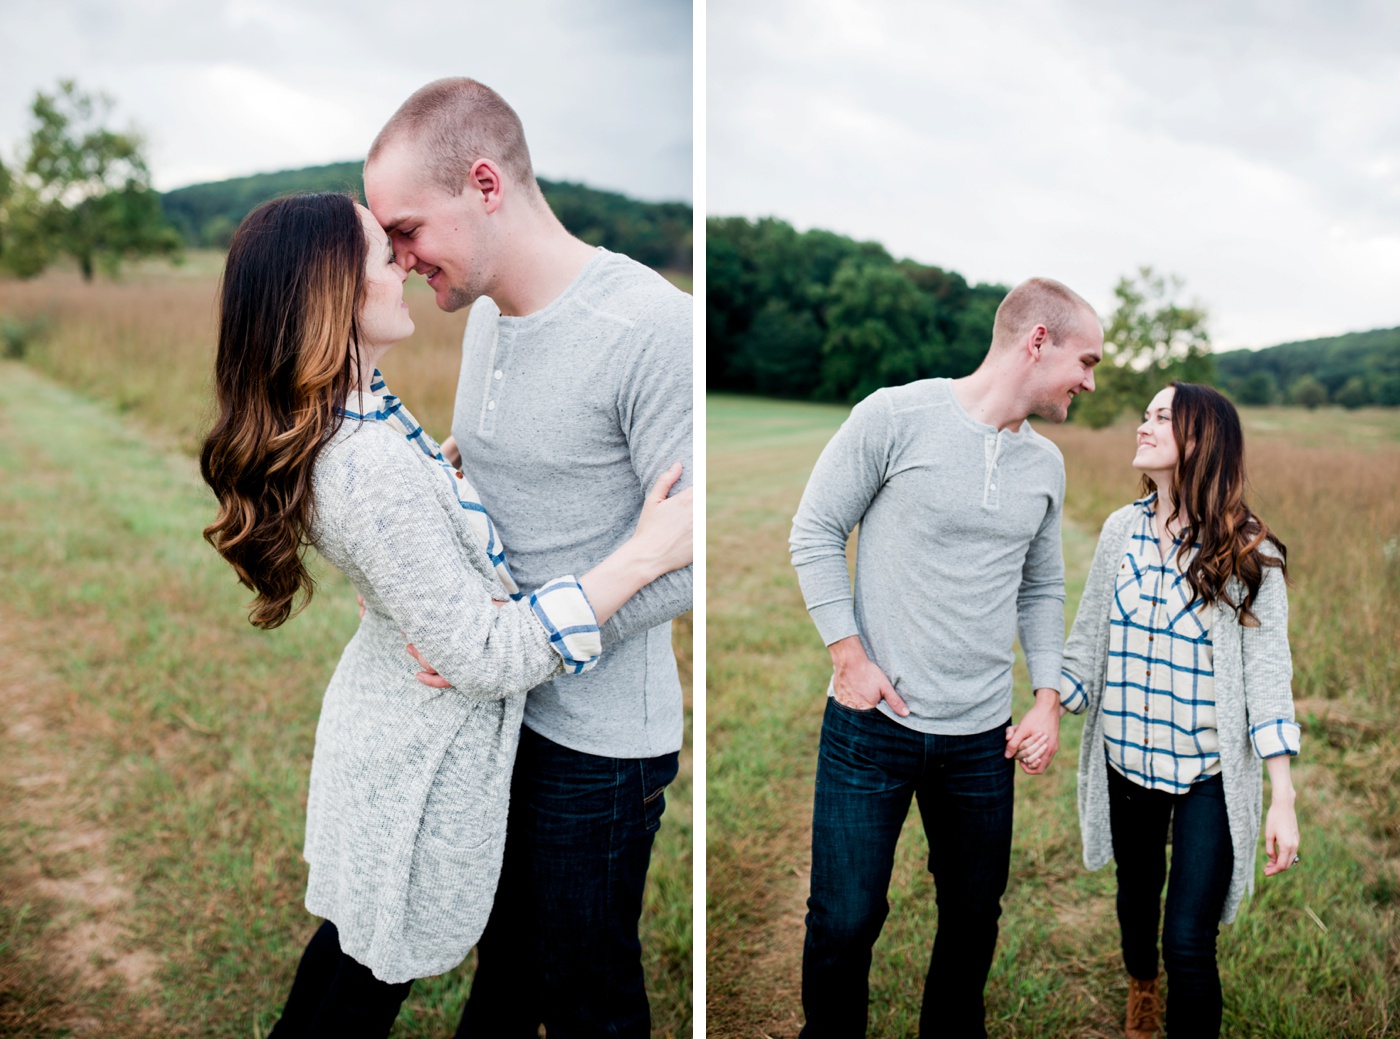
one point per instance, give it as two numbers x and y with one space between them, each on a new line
452 299
1052 411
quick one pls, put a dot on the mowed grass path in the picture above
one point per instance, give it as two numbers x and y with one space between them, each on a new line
1314 953
157 748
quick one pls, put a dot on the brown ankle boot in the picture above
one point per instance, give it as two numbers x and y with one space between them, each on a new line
1144 1010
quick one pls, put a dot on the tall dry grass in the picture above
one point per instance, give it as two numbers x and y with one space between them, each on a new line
146 344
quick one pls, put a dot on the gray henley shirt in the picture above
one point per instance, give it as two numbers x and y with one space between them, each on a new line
959 550
565 417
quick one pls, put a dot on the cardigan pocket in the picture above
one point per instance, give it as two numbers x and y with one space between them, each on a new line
466 804
449 896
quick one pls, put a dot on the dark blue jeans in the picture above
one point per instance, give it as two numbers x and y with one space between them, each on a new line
868 769
561 946
1202 862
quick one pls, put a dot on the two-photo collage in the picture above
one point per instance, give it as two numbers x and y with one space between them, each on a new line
808 519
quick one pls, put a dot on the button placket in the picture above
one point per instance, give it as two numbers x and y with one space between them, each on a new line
991 458
491 388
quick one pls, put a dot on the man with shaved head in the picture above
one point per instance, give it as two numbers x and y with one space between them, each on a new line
958 501
574 396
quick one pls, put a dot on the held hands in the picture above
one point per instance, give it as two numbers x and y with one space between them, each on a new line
1036 740
665 534
858 682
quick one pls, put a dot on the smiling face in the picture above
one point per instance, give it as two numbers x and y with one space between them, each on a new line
383 318
442 236
1066 369
1157 454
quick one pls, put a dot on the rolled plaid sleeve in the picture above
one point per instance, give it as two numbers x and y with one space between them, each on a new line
1274 738
564 611
1073 697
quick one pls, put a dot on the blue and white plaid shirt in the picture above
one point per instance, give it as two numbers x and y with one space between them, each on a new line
1159 693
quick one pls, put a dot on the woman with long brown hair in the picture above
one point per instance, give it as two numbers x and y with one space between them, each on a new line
409 783
1179 660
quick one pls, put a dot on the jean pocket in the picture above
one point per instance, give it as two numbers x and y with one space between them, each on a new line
859 712
656 775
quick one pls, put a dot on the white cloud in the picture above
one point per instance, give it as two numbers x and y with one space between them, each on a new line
1253 148
237 86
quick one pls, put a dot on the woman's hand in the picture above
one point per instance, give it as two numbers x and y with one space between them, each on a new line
1032 752
1281 824
662 541
665 534
1280 837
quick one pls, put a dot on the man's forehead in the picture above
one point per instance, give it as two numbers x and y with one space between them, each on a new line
393 185
402 195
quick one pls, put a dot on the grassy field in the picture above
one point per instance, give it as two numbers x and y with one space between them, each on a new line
156 746
1315 953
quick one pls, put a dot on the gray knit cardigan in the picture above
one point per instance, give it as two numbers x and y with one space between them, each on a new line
406 815
1253 669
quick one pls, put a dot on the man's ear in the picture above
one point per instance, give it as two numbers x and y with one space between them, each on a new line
1036 338
485 183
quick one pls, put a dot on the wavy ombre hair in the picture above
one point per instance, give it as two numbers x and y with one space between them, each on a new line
1208 489
287 358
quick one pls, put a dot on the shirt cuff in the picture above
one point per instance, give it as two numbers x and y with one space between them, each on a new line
835 620
564 611
1073 697
1277 737
1044 669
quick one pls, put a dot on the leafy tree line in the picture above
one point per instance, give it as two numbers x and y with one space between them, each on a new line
1361 368
820 316
657 234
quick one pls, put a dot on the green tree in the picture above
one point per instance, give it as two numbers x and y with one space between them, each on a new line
881 331
1308 391
1151 339
83 191
7 187
781 352
1353 394
1257 388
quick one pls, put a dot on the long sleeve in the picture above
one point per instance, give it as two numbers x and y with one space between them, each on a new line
1268 671
1082 670
379 521
656 409
846 478
1040 601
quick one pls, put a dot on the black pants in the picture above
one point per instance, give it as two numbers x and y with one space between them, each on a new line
337 998
1202 862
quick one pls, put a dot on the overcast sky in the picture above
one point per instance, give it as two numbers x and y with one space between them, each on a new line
228 87
1251 147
